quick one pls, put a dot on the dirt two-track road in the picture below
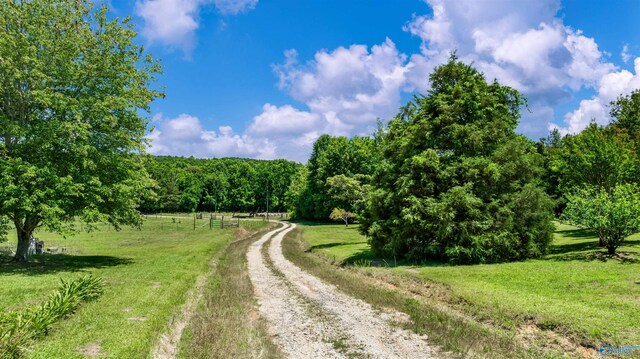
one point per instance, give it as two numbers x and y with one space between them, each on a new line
312 319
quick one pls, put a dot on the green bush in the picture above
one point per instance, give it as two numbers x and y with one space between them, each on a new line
19 328
614 215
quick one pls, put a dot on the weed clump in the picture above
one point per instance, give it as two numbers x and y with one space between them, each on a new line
19 328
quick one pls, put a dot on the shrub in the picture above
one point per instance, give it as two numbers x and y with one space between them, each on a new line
614 215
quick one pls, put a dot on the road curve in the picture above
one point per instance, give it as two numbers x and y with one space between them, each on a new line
312 319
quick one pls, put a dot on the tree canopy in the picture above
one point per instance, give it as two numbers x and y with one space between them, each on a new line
456 183
73 85
354 158
218 184
597 156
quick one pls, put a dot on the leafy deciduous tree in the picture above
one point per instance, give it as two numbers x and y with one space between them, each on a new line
333 156
348 192
339 214
597 156
614 215
72 85
626 111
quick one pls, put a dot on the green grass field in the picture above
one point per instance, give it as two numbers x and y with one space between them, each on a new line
574 290
147 275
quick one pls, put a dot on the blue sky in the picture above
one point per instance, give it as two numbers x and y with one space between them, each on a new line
263 79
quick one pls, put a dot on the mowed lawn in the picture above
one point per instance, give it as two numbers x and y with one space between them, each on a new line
147 274
574 290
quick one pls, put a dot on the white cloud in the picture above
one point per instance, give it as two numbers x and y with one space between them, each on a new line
350 86
345 91
611 86
282 120
233 7
173 23
170 22
591 110
524 44
184 135
625 54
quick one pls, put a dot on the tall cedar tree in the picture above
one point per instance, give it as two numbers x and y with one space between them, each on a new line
456 183
73 83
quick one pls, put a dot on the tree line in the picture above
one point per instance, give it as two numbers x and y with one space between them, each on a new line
217 185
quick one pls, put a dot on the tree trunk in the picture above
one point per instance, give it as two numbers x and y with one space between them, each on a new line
611 250
22 253
602 244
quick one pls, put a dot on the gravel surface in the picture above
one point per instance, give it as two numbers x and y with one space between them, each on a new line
310 318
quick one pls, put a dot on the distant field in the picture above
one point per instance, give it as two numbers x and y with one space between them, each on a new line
574 290
147 275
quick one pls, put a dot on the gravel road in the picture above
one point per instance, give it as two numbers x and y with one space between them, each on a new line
312 319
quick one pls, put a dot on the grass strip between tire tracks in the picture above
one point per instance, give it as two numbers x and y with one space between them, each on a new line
227 323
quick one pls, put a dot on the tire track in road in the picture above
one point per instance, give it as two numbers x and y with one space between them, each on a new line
368 333
295 330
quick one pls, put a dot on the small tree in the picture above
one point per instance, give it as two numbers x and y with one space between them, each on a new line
339 214
347 191
613 215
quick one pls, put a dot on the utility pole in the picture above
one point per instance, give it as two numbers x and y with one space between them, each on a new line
267 201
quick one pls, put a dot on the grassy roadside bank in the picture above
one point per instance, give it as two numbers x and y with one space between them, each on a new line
452 334
516 309
147 274
227 323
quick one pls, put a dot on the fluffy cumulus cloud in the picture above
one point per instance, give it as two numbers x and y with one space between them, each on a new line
170 22
610 86
343 91
282 121
173 23
184 135
523 44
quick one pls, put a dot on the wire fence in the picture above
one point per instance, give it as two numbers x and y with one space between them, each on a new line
203 221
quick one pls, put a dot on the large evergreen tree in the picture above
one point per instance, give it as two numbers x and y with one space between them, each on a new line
456 183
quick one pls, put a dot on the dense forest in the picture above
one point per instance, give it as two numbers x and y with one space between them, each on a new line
446 179
217 185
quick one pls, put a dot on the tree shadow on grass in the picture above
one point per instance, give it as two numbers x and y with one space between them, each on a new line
334 244
587 251
572 248
309 223
577 233
601 256
54 263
